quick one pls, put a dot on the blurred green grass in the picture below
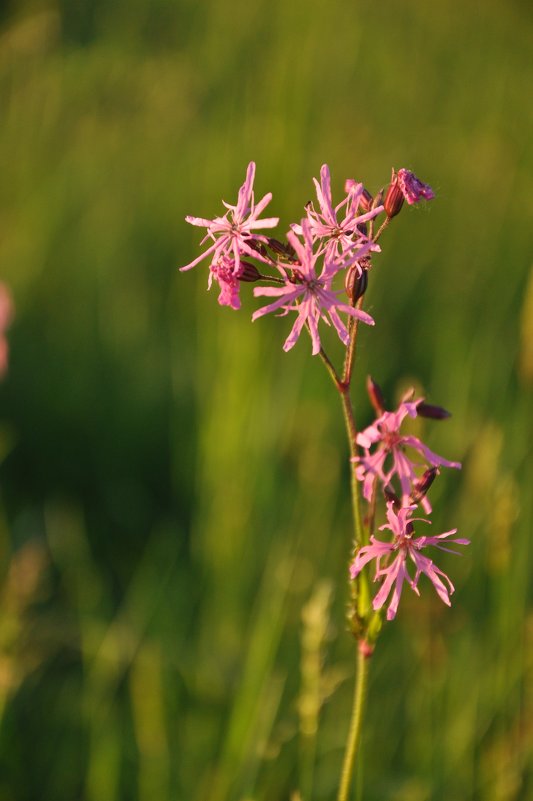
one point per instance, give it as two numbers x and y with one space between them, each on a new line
174 487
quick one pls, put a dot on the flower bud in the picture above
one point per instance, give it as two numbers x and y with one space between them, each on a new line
282 249
433 412
366 199
391 497
376 396
378 200
356 282
394 197
421 487
248 272
258 246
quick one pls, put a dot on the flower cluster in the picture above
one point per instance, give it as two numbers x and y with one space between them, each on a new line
405 483
331 240
328 253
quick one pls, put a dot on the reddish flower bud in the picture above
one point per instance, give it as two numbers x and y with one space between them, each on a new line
366 199
248 272
356 282
258 246
282 249
376 396
391 497
394 197
421 487
433 412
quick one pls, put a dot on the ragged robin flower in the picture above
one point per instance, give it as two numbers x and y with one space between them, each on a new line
234 233
392 559
389 458
310 295
338 227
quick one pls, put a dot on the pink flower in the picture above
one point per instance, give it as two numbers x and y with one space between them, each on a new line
233 233
6 315
340 236
223 273
310 295
404 545
412 188
385 434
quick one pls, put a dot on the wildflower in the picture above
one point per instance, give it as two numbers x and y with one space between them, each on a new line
404 545
310 295
412 188
385 434
341 236
233 234
6 314
223 273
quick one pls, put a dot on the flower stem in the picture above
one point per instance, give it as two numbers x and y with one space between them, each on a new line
354 734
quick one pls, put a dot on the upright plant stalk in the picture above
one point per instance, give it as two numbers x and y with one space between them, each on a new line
331 240
354 732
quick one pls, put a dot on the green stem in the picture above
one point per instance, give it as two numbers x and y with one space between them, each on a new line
351 432
354 734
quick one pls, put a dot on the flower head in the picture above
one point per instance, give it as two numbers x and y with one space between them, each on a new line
412 188
340 235
223 273
234 233
384 433
309 294
395 554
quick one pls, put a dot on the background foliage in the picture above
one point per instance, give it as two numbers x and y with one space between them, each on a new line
174 520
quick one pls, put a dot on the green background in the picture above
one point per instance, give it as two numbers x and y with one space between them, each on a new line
174 514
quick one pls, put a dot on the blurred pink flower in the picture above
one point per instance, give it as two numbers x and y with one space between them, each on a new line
404 545
6 315
310 295
342 236
233 234
385 434
412 188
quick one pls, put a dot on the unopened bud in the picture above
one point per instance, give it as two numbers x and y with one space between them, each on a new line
282 249
433 412
376 396
421 487
356 282
392 498
394 197
366 199
248 272
378 200
258 246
